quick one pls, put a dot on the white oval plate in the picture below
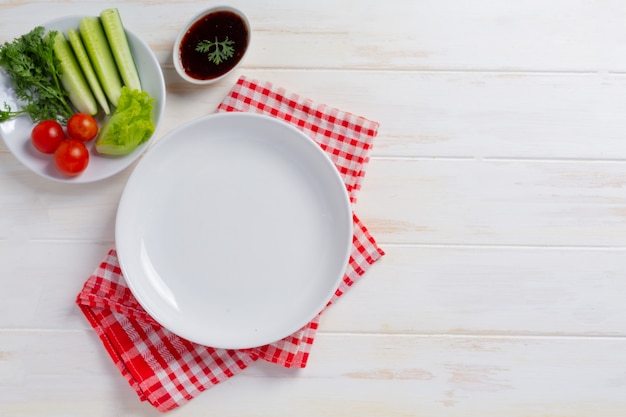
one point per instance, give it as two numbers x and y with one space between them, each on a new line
234 230
16 132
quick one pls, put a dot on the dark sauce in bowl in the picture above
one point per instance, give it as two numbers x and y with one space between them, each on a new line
215 25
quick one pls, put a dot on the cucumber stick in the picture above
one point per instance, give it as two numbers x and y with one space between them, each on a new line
90 75
101 57
116 35
72 77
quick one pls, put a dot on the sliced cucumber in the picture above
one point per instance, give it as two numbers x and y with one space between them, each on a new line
116 35
88 71
101 57
72 77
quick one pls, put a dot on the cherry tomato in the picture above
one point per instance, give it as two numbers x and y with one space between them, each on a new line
47 135
82 126
71 157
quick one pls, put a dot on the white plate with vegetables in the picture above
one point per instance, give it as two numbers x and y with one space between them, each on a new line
116 145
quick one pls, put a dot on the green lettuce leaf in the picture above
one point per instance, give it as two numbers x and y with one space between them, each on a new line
130 125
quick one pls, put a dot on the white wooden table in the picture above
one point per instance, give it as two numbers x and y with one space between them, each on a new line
497 188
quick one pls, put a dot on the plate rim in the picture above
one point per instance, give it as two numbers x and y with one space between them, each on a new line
137 171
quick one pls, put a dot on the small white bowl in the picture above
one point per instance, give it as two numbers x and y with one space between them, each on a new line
207 25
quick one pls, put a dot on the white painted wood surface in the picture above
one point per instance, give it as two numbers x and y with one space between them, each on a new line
497 187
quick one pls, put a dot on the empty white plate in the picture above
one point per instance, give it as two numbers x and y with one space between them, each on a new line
234 230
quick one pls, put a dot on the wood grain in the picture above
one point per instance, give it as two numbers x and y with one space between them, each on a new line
438 376
495 187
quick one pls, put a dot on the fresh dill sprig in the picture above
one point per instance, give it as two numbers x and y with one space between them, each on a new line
33 70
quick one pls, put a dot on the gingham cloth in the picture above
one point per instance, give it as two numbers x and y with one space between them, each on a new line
167 370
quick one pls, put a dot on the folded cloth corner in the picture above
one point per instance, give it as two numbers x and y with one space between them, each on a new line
167 370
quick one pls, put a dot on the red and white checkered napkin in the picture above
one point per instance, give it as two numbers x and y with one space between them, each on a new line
167 370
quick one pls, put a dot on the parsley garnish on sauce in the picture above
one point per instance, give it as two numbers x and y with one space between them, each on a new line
221 50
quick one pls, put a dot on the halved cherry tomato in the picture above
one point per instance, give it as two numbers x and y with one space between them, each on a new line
71 157
82 126
47 135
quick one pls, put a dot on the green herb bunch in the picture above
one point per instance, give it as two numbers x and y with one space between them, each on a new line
33 70
218 51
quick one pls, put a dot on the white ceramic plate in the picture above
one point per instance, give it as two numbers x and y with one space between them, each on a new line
234 231
16 132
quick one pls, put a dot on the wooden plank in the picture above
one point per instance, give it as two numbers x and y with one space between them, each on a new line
366 375
535 35
37 208
41 282
410 201
412 290
460 115
450 114
470 115
483 202
486 291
